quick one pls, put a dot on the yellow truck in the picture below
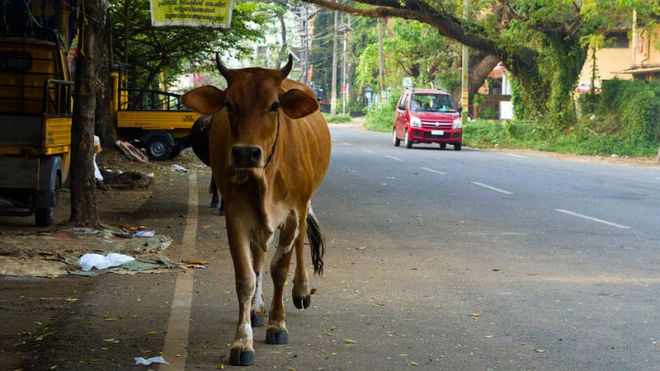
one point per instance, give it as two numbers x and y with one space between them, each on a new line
36 100
152 119
36 94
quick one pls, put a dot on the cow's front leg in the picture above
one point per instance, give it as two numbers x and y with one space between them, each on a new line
276 332
242 350
257 313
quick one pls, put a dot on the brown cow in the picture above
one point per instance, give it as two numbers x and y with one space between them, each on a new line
270 150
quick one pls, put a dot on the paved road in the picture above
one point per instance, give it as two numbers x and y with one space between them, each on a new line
437 260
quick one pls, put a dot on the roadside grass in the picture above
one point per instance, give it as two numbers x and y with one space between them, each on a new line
580 141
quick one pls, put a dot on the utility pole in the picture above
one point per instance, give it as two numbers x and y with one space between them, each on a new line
465 97
333 97
345 27
304 41
381 69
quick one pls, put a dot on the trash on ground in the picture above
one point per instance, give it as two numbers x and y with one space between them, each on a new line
131 152
180 168
98 261
148 361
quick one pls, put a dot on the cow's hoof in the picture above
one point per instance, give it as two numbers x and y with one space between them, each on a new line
256 320
214 204
277 336
302 302
222 212
239 357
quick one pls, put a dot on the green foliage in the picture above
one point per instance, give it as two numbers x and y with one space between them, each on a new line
339 119
381 117
151 50
530 135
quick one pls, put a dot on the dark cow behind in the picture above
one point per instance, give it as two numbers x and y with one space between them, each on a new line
199 137
269 151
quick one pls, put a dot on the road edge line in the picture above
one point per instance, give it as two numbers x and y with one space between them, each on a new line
176 341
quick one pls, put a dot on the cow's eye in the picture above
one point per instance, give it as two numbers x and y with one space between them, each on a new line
274 107
229 106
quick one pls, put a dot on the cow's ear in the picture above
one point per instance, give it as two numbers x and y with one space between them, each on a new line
296 103
206 99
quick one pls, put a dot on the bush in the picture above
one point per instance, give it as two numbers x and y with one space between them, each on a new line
381 117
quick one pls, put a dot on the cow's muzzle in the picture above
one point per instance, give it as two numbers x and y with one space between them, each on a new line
247 156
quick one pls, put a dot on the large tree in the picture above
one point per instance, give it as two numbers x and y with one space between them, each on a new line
151 51
541 42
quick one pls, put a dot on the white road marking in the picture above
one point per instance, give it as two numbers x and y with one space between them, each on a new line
433 171
176 341
492 188
513 155
368 151
592 219
394 158
347 144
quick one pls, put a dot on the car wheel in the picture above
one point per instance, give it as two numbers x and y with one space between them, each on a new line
158 148
406 140
443 145
458 146
45 216
396 141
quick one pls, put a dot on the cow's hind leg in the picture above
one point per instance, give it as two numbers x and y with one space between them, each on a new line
301 291
276 332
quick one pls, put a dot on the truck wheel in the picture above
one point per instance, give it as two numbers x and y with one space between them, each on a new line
176 150
458 146
44 216
158 148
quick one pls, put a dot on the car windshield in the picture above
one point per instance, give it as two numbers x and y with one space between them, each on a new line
431 103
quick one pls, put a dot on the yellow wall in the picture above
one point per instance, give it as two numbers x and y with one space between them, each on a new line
609 60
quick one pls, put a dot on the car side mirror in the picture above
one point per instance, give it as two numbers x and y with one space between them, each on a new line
402 107
460 109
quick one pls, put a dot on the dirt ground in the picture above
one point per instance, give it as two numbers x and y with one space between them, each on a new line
43 252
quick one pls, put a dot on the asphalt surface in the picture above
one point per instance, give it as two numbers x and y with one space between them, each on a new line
436 260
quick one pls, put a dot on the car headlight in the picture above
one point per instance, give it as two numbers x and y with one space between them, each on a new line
458 123
415 122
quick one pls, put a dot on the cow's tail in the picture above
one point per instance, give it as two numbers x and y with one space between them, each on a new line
316 241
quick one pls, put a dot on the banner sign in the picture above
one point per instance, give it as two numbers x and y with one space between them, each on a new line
209 13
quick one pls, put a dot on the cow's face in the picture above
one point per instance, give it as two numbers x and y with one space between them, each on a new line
254 102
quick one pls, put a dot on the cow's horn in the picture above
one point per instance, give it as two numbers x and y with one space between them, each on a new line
224 71
287 67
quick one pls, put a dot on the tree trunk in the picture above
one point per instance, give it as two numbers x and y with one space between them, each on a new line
105 128
84 211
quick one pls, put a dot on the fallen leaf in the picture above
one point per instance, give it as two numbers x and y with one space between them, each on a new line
313 291
414 364
71 300
349 341
475 315
193 261
110 319
152 333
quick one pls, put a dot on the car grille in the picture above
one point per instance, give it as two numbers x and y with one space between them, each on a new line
436 125
431 136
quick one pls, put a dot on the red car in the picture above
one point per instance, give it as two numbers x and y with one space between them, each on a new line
427 116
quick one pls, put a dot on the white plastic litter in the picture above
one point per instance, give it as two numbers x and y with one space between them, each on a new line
145 233
147 362
180 168
89 261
